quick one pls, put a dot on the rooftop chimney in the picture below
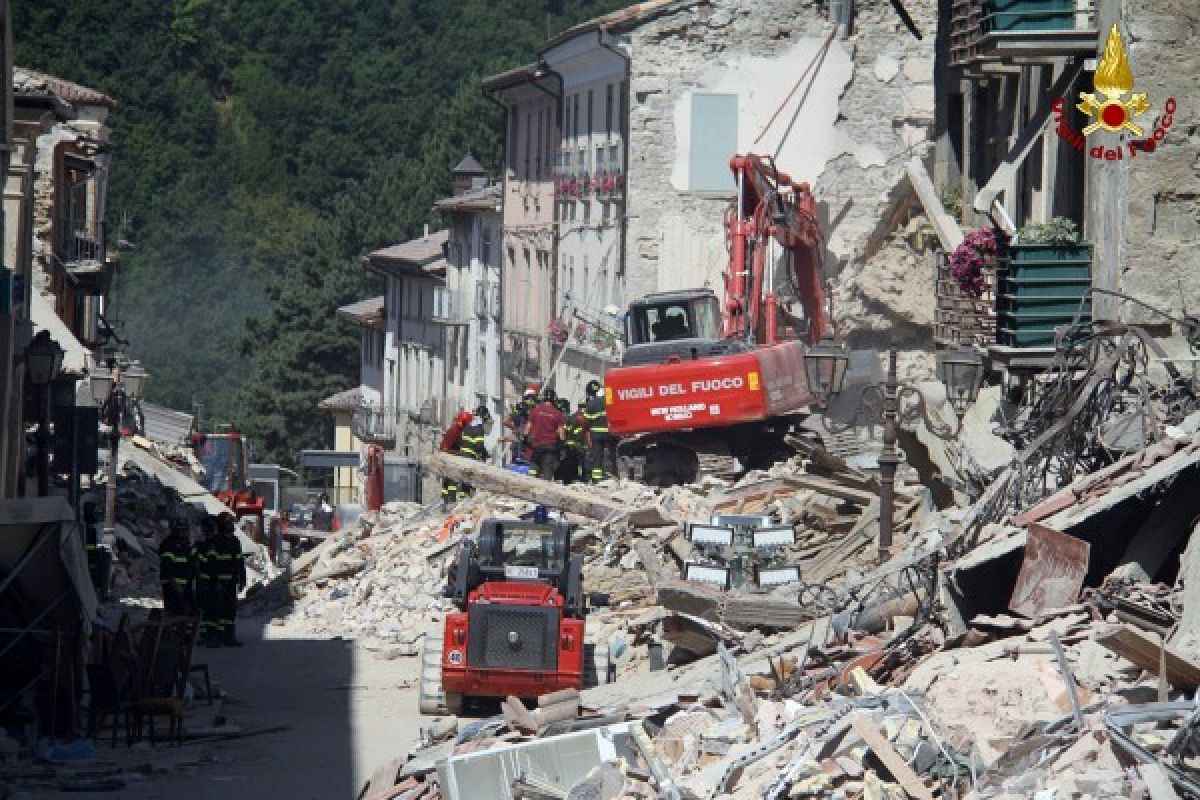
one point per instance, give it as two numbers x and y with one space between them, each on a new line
466 174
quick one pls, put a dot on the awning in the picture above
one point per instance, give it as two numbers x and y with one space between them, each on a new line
44 318
330 459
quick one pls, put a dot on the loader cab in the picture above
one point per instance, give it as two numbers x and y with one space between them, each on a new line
684 324
514 550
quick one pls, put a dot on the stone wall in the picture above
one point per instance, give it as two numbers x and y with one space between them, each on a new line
869 110
1161 226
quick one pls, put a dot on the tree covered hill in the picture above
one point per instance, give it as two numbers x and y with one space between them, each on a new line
262 147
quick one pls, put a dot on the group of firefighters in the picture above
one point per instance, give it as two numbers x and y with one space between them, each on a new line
555 443
203 577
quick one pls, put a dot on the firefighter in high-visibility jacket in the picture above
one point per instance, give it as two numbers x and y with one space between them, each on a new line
602 445
451 440
227 574
177 562
571 461
472 443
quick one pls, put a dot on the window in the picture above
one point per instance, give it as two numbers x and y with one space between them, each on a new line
514 120
590 104
485 247
714 138
575 120
538 157
528 141
623 99
378 348
608 109
551 145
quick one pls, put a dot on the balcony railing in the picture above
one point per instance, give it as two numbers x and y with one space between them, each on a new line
987 33
374 426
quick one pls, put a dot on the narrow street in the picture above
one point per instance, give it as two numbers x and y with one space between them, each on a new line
346 713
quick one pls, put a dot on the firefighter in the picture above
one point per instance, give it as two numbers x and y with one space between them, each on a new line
518 423
570 457
206 595
99 559
451 441
602 445
546 435
177 569
227 574
473 442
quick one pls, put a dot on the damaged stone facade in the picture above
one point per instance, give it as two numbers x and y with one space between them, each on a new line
1161 192
869 109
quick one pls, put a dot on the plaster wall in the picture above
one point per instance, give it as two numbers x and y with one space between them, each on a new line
868 110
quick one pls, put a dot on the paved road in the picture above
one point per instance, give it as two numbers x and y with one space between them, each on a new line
349 713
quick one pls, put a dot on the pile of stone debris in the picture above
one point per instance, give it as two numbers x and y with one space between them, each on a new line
1032 633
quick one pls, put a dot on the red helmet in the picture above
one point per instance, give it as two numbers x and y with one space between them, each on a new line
463 418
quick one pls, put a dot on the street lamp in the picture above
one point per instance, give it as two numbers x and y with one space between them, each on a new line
960 372
115 391
43 359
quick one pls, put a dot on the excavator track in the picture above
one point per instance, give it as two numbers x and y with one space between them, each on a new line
671 459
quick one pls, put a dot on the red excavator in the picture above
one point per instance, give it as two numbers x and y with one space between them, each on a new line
225 458
700 385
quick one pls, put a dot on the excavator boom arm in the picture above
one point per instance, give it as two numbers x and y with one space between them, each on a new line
770 205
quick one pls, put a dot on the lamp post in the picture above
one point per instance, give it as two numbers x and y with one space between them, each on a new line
116 391
43 359
960 372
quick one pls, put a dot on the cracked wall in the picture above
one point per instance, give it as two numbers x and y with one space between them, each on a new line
868 111
1161 226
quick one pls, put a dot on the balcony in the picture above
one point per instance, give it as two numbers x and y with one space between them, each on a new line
374 426
992 35
452 306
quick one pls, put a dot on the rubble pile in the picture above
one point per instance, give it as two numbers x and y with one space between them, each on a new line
1030 634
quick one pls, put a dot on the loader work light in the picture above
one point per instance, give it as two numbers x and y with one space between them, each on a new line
776 536
778 576
707 573
710 534
742 520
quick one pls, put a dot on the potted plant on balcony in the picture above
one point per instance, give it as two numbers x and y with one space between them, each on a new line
558 331
973 262
1045 283
1056 240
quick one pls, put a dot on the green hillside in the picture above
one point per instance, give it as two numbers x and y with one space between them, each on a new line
262 146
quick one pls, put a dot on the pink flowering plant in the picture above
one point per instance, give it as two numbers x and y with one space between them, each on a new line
970 260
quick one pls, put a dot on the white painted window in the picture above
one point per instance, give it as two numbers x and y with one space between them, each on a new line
713 141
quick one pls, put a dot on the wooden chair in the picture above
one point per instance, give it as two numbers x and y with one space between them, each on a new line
112 681
168 647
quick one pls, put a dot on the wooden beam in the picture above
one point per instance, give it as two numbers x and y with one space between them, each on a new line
591 502
1145 650
946 227
832 488
909 781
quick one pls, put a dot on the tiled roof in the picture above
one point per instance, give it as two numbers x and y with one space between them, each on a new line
364 312
510 78
621 19
415 252
347 400
31 83
469 164
485 199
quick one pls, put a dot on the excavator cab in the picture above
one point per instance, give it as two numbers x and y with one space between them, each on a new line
684 324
